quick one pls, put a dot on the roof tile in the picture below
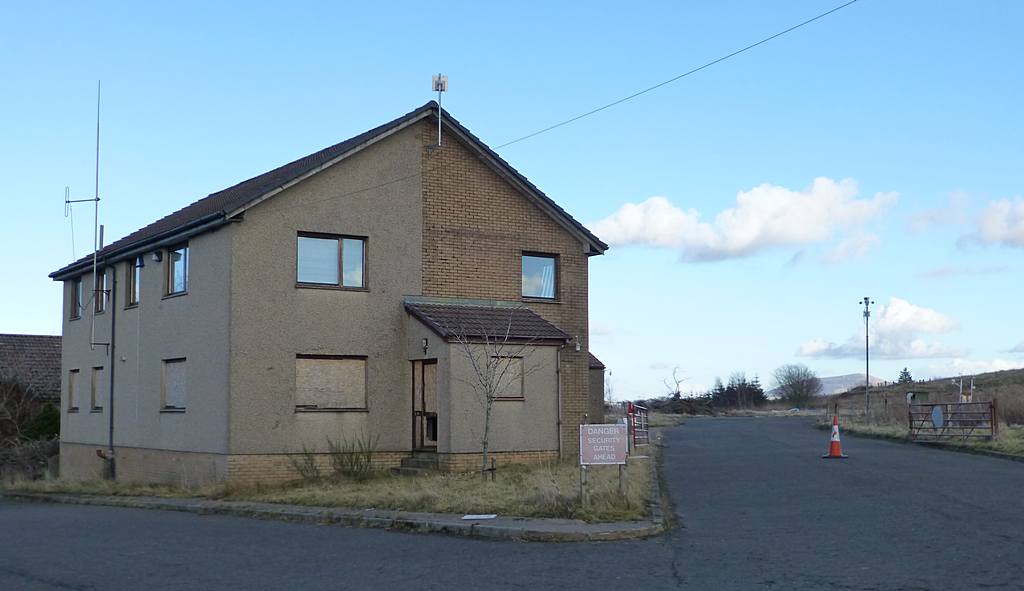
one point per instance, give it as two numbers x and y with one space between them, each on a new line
33 359
494 322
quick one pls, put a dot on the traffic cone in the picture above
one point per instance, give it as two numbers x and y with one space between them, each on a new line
835 449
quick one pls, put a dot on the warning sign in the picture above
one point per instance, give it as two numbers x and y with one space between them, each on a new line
603 444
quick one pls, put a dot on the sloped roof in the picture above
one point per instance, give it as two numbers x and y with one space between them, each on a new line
34 360
498 322
217 206
595 363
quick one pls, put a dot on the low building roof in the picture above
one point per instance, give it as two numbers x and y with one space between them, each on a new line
595 363
34 360
217 208
474 321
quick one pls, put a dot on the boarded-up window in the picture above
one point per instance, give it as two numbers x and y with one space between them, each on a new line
174 386
95 389
508 374
72 394
328 382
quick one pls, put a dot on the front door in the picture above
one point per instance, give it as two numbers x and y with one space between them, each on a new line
424 404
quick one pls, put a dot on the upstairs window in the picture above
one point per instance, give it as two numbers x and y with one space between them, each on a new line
100 294
331 261
177 269
76 299
539 276
134 274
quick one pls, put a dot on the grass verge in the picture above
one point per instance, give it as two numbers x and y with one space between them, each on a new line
1009 441
546 490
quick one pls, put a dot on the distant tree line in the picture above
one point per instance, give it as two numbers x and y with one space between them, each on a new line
739 392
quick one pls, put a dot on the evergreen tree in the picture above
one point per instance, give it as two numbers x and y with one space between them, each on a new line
905 377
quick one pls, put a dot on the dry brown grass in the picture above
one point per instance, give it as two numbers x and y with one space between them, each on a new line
550 490
106 487
660 419
1010 439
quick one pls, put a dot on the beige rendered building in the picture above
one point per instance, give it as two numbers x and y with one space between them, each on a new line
340 296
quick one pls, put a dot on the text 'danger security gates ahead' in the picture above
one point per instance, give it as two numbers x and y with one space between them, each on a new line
948 421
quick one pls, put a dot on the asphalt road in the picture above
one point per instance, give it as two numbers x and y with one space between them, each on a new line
755 508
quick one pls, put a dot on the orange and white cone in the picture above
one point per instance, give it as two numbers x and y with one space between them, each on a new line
835 449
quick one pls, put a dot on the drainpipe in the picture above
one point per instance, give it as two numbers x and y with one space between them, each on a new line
113 369
558 382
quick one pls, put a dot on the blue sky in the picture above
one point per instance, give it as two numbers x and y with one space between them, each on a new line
908 113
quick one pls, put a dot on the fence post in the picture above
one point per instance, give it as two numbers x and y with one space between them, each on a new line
993 408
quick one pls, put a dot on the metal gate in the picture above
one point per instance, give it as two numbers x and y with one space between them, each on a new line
953 421
641 427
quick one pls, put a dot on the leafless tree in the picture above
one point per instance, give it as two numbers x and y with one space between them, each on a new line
497 360
797 384
677 379
18 405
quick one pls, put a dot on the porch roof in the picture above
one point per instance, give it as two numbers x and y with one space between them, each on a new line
497 321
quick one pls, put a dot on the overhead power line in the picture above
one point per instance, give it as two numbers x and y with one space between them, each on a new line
683 75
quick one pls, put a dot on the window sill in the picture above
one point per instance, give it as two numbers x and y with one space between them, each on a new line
299 409
100 312
131 306
73 318
73 410
330 287
97 410
168 296
541 300
172 410
510 399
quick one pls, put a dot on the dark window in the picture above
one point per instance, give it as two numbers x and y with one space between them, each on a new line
324 259
101 292
134 272
540 273
177 270
76 298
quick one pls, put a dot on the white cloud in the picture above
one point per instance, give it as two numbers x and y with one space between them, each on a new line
974 366
1002 222
766 216
961 270
600 329
953 213
895 334
1018 348
854 247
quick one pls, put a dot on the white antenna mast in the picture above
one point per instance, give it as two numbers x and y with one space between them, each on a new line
440 84
97 290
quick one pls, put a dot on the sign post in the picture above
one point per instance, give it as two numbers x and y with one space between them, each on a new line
602 445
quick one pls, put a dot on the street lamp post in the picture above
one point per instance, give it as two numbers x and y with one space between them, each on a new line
867 367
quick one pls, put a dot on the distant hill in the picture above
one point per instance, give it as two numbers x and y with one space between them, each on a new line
998 384
836 384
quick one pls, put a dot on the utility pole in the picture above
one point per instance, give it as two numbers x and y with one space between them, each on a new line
867 367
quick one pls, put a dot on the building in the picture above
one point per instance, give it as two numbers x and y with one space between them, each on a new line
34 361
331 298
